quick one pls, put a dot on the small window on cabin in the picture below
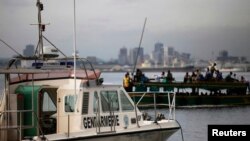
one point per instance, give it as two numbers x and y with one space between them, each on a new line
95 103
125 103
109 101
85 103
69 103
48 104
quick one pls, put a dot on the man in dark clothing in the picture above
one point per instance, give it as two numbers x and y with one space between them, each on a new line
169 76
229 77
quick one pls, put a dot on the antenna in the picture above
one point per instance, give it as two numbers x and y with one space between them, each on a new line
11 48
41 28
74 45
139 46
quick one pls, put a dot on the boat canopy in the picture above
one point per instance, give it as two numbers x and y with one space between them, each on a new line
32 97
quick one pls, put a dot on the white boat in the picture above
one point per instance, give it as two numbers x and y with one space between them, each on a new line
232 69
42 103
50 100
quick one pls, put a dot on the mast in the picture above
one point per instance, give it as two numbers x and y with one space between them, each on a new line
137 54
74 46
40 29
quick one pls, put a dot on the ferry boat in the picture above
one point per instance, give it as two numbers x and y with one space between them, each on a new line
194 94
60 99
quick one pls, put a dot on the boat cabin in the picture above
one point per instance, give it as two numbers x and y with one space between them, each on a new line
60 109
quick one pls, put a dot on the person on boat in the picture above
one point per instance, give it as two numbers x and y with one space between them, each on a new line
163 77
213 69
199 76
242 79
127 82
187 78
138 75
219 76
208 75
163 74
169 77
193 77
229 77
235 78
144 78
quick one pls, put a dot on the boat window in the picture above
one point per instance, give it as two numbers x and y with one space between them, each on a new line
48 104
95 103
109 101
69 103
125 103
85 103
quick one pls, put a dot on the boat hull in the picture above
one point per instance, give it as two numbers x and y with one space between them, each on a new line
150 135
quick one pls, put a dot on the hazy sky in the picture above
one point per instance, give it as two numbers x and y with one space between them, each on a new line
199 27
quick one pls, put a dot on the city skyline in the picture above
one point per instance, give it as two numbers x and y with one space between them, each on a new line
160 56
201 28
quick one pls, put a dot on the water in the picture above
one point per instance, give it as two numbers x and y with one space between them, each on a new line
194 121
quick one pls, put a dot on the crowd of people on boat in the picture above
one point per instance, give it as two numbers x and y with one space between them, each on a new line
138 77
211 75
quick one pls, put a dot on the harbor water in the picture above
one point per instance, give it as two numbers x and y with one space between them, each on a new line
194 121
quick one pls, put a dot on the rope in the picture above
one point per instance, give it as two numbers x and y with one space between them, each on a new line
181 130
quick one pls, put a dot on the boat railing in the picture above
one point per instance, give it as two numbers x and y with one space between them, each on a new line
91 67
170 104
98 127
6 123
98 115
112 114
2 97
52 63
216 87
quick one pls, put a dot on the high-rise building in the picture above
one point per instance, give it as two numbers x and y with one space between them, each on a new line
123 56
169 56
158 54
29 50
134 54
171 51
185 57
225 57
223 53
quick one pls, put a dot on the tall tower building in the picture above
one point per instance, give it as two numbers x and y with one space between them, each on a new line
169 56
171 51
223 53
158 54
123 56
133 56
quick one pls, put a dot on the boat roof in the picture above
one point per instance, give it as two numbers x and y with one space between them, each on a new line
22 71
38 74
